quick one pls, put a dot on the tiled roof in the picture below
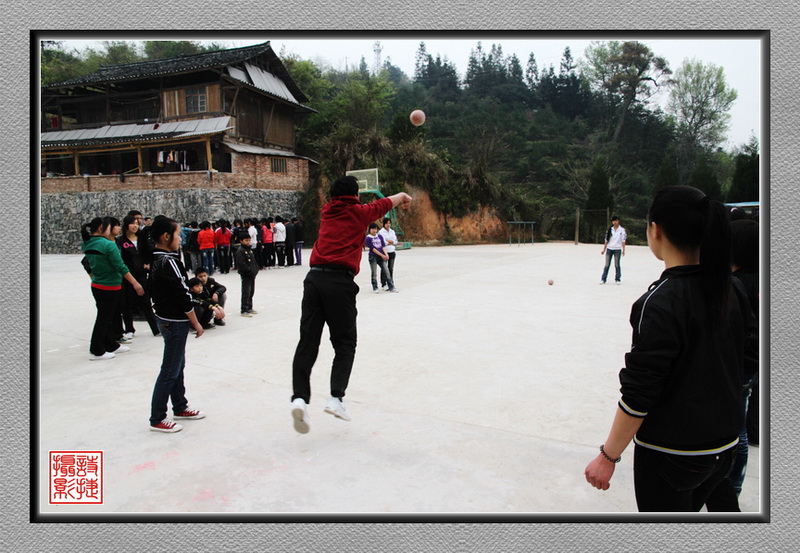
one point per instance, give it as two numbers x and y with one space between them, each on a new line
112 134
186 64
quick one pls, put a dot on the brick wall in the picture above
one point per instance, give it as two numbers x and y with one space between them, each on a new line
249 171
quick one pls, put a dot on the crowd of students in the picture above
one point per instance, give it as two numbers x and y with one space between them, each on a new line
275 241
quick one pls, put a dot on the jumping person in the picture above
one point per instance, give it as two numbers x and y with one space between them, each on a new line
106 269
691 332
329 294
614 247
175 314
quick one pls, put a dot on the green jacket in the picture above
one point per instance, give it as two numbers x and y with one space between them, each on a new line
105 262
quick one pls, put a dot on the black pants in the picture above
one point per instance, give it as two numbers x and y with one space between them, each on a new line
289 247
248 290
677 483
131 302
104 333
329 297
224 257
269 254
203 314
280 251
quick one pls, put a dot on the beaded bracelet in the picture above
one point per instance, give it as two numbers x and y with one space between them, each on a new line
617 460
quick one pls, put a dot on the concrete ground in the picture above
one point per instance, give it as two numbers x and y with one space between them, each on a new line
477 389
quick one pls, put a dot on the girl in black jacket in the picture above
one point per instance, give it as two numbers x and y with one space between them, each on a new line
681 385
131 247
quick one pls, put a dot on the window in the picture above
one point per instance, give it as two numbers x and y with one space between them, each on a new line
195 100
278 164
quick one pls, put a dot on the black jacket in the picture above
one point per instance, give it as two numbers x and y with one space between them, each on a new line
213 287
132 256
683 375
245 262
172 299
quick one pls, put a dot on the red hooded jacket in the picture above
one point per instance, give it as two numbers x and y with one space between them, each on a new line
342 228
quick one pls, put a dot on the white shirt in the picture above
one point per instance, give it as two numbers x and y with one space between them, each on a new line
253 237
618 236
279 232
388 235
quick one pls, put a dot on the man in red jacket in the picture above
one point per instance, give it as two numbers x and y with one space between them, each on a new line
329 294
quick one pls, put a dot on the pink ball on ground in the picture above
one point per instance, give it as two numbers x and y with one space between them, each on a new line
550 282
417 117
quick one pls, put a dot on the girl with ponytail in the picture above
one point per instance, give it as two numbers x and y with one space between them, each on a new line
104 264
681 398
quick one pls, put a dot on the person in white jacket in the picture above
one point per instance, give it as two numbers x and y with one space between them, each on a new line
390 238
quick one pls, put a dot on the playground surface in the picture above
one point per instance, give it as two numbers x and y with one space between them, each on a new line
478 389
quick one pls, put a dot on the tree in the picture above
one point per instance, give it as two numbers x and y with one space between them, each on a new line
599 197
700 100
667 175
703 178
744 186
628 72
163 49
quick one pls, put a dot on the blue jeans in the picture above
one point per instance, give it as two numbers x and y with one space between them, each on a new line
374 261
208 260
616 254
740 460
169 384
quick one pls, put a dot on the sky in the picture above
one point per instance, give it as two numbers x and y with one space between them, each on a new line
739 55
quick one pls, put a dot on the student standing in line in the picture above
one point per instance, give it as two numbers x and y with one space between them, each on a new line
222 241
289 242
269 242
205 241
691 331
299 238
329 295
106 270
174 309
279 237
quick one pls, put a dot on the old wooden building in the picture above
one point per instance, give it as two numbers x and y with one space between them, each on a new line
222 119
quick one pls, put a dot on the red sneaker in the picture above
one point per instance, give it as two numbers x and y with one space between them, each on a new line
190 414
166 426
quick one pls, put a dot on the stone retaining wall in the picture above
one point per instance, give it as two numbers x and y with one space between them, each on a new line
63 214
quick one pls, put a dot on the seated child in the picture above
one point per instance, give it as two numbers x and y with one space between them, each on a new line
215 290
204 308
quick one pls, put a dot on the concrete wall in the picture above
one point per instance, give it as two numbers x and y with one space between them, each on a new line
63 214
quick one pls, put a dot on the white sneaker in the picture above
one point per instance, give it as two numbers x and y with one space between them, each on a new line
335 407
395 290
300 415
618 283
602 282
376 291
121 349
106 355
128 336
